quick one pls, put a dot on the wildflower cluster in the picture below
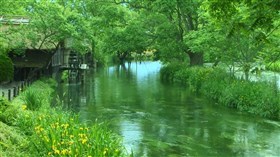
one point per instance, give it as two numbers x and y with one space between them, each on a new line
61 135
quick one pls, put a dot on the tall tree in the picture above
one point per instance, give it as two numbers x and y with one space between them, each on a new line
177 19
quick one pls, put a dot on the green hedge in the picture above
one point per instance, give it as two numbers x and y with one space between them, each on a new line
6 68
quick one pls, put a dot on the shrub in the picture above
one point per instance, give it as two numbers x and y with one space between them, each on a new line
168 72
216 80
6 68
38 94
32 100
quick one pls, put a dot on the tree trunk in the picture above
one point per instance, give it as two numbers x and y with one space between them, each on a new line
196 59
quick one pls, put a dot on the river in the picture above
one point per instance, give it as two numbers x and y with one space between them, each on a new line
156 118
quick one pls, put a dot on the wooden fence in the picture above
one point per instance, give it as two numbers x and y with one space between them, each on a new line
11 90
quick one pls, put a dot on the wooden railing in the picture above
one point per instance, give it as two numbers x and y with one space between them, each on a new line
12 90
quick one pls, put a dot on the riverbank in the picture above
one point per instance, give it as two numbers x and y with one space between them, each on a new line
29 126
258 98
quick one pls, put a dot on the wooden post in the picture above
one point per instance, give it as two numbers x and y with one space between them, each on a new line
22 85
9 94
15 91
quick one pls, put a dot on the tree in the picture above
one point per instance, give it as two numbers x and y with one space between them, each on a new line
246 27
178 18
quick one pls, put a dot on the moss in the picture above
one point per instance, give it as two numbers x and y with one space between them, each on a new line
6 68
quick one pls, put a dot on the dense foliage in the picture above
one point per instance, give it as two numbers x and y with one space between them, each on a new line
6 68
239 31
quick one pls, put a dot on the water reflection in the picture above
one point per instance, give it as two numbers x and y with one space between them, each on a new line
159 119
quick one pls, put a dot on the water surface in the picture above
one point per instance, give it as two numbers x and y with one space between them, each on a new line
156 118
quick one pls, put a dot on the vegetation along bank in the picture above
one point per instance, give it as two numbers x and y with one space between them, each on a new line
258 98
29 126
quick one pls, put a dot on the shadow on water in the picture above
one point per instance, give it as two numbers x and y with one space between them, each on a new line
159 119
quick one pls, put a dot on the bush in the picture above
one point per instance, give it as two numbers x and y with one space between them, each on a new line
193 77
218 79
168 72
6 68
38 94
32 100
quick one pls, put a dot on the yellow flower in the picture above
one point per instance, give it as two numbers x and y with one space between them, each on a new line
64 151
65 126
105 151
24 107
71 142
38 129
84 141
56 151
46 139
53 126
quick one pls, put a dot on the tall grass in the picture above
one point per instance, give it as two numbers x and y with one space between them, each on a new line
259 98
32 100
54 132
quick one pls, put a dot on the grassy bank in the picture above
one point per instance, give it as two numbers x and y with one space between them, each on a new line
30 127
257 98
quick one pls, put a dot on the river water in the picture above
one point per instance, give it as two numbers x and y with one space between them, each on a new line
156 118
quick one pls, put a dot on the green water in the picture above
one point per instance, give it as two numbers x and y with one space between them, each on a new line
158 119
